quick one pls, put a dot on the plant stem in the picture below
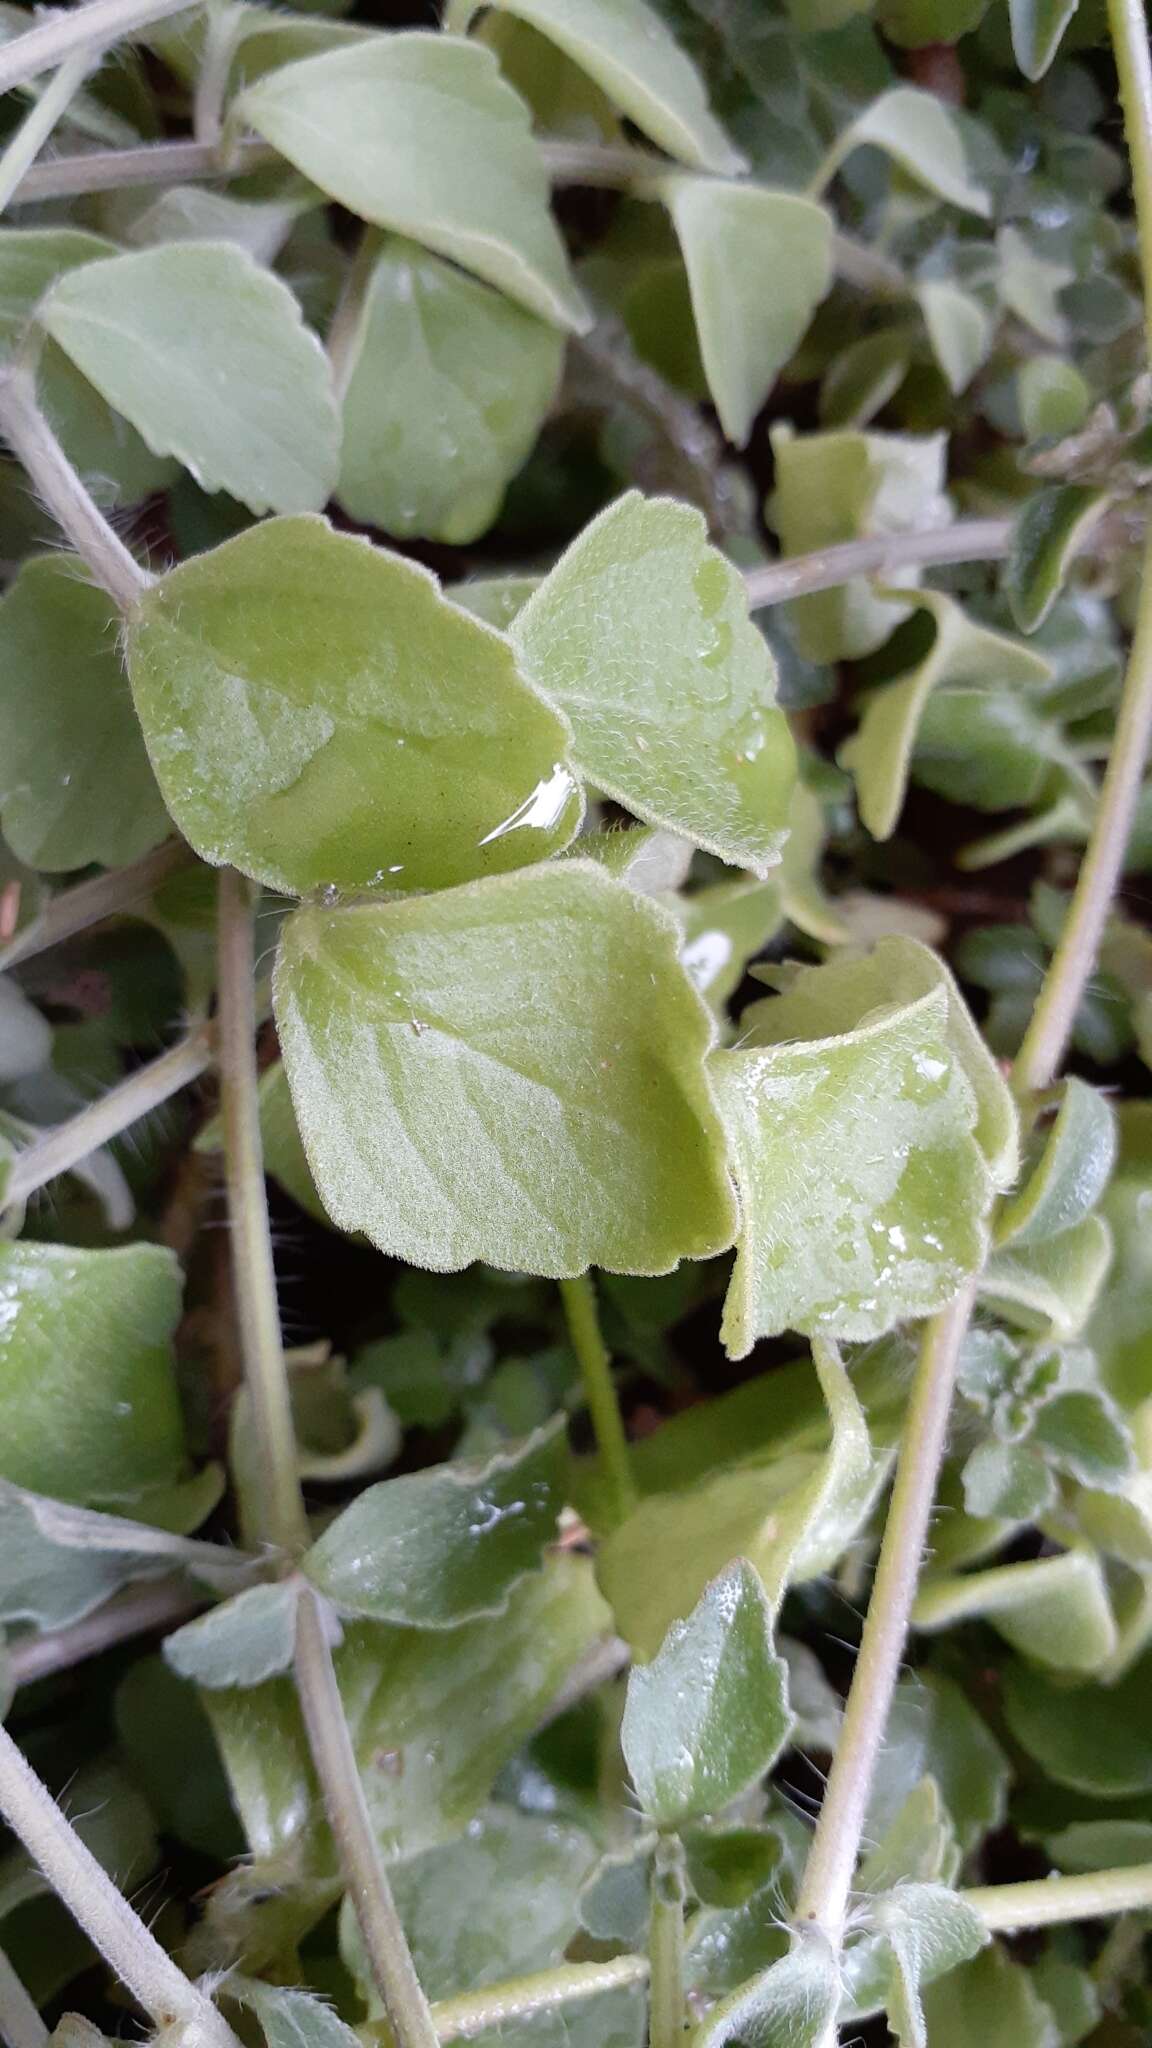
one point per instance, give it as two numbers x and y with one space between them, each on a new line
827 1881
666 2010
162 1990
150 163
371 1894
25 145
278 1511
95 24
221 40
471 2012
73 910
583 1319
967 540
146 1089
345 320
1046 1901
53 478
20 2023
160 1604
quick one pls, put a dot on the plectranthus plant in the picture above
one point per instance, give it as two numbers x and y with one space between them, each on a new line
575 1024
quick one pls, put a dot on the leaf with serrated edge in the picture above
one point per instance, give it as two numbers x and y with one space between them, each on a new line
389 741
1072 1172
641 634
419 133
511 1072
732 238
707 1718
918 131
635 60
207 355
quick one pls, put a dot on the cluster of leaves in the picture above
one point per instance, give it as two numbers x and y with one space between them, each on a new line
611 924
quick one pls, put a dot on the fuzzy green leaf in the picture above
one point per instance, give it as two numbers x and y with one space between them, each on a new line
1049 531
446 385
918 131
75 784
732 237
292 2019
933 1730
31 259
1050 1288
419 133
1054 398
928 1931
641 634
387 741
58 1563
1096 1739
989 2000
708 1716
242 1642
918 1847
1072 1172
1055 1610
959 329
511 1072
791 2004
206 354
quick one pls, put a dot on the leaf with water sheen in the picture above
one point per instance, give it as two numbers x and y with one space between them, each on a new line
446 1545
387 741
511 1072
446 386
641 634
75 783
635 60
709 1715
419 133
791 2004
1072 1172
242 1642
733 236
206 354
917 130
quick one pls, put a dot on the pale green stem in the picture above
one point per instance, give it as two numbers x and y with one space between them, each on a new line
666 2010
367 1879
68 499
522 1998
74 910
163 1991
221 41
60 1150
20 2023
583 1318
25 146
150 163
158 1604
90 27
278 1510
968 540
345 321
1048 1901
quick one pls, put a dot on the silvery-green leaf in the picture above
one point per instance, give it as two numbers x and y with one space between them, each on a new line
641 634
1072 1172
495 599
724 927
843 486
1121 1323
446 1545
445 386
1054 398
627 48
1008 1481
918 1847
862 378
1100 1844
1093 1738
1037 26
928 1931
31 259
388 741
291 2019
206 354
196 213
1030 285
959 329
1056 1610
242 1642
791 2004
733 236
1070 1992
58 1562
419 133
1052 527
1050 1288
75 783
709 1715
934 1730
989 2000
918 131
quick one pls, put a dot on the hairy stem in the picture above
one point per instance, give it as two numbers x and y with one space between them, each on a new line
583 1318
59 1150
278 1511
472 2012
20 2023
102 1911
150 163
1046 1901
666 2011
967 540
74 910
41 118
384 1939
88 28
53 478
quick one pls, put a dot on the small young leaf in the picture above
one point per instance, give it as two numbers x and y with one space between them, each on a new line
446 385
959 329
627 48
436 1548
792 2004
419 133
292 2019
1030 285
1050 1288
1037 26
918 131
708 1716
1052 527
206 354
75 784
1008 1481
1054 398
641 634
1071 1174
928 1931
242 1642
732 237
918 1847
388 740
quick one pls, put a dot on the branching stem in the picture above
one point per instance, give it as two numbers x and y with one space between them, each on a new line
87 28
74 910
25 146
67 497
1048 1901
583 1318
967 540
472 2012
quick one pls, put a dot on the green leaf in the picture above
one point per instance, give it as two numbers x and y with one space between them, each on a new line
532 1054
1037 26
862 378
989 2000
845 486
1072 1172
25 1033
863 1186
419 133
990 748
962 655
1100 1844
446 386
724 927
919 132
244 1641
495 599
732 236
75 785
31 259
959 329
1007 1481
928 1931
388 736
1050 1289
205 353
1071 1995
918 1847
934 1731
1120 1327
291 2019
630 52
641 634
707 1718
88 1405
1053 396
59 1562
1055 1610
447 1545
1097 1739
1049 531
1030 285
792 2004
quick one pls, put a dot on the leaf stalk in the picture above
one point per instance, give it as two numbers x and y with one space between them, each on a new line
583 1319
